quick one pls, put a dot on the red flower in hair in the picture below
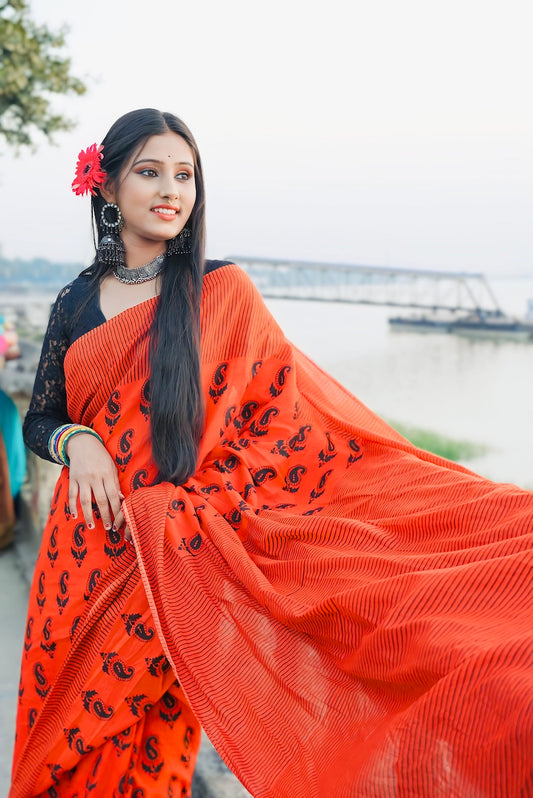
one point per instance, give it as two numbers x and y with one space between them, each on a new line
88 172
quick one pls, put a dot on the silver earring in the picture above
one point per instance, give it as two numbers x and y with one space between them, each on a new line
115 224
111 251
180 244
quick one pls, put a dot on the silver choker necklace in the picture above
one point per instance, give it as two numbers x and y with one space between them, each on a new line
142 273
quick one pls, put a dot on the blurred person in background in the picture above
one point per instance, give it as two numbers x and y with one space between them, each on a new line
12 450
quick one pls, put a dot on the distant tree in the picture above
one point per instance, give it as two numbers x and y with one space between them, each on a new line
32 68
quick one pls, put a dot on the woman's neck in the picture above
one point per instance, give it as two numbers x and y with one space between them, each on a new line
139 254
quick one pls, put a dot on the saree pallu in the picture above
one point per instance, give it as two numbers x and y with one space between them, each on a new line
347 615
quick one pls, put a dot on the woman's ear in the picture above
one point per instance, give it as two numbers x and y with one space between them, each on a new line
107 190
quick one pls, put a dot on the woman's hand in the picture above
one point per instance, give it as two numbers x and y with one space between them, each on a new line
93 472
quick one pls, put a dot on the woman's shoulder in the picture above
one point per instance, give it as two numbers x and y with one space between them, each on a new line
76 308
213 265
74 292
227 275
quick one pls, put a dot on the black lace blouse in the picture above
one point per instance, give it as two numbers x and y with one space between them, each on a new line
75 312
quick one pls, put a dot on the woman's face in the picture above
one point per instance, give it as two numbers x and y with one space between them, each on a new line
156 191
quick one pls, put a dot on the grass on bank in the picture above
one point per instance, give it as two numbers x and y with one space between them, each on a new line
450 448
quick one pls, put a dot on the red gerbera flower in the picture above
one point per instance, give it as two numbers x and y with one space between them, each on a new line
88 172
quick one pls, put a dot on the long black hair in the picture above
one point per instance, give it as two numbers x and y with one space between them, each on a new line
177 409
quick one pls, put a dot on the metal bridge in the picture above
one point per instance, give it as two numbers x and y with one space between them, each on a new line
426 289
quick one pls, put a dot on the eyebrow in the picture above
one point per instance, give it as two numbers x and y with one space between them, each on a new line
154 160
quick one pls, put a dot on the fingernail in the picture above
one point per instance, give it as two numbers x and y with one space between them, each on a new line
107 526
90 526
74 515
114 527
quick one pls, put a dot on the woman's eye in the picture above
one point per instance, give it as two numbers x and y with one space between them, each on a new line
149 172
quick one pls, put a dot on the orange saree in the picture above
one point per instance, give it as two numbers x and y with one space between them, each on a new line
346 615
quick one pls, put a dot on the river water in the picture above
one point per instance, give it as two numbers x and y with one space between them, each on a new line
464 388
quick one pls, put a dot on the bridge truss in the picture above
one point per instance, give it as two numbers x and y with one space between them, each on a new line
426 289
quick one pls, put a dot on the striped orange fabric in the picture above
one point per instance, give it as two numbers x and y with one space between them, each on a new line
346 614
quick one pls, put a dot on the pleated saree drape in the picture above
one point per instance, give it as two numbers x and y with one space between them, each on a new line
346 615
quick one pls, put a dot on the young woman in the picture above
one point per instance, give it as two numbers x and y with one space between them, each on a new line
236 542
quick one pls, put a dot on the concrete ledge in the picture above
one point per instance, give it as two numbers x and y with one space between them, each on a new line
212 779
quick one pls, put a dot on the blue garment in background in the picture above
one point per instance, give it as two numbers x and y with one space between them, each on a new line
11 429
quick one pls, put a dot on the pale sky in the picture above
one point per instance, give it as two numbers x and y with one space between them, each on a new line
379 132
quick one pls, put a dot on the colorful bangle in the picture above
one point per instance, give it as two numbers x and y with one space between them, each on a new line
59 438
53 441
